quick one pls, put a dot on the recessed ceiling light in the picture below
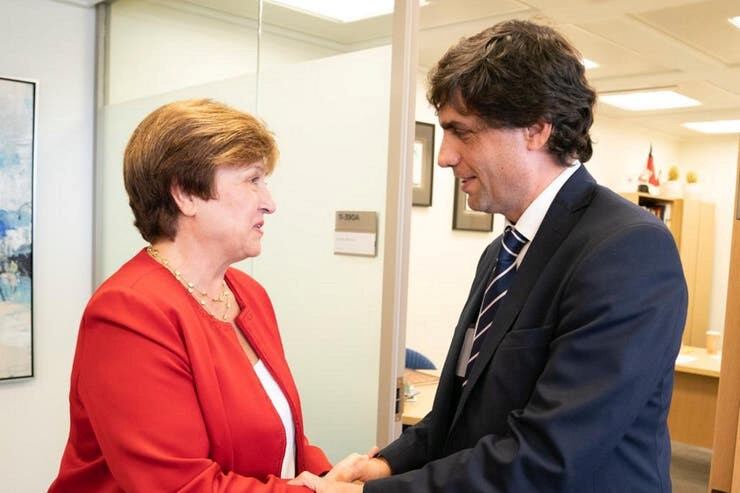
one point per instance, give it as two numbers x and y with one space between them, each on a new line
735 21
341 10
648 100
715 127
589 64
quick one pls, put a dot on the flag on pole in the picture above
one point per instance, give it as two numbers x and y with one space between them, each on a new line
652 177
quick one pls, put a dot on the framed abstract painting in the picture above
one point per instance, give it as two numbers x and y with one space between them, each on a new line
17 153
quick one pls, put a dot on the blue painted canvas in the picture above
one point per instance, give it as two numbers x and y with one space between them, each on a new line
17 109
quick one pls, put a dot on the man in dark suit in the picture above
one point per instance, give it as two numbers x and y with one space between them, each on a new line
560 371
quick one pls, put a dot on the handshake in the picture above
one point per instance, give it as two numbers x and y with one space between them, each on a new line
348 475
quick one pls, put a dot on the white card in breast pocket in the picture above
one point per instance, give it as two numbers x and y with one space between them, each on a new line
467 346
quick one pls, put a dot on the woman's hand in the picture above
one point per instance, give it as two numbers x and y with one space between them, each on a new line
348 475
360 467
324 485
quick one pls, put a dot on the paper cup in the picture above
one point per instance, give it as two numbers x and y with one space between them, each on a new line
714 338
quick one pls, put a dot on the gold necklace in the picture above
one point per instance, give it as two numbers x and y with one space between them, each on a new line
200 296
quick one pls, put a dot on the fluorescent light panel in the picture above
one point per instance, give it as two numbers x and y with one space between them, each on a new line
648 100
341 10
715 127
735 21
589 64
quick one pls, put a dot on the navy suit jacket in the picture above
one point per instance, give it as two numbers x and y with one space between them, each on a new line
571 390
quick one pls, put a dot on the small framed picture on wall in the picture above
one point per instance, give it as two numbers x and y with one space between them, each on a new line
466 219
423 164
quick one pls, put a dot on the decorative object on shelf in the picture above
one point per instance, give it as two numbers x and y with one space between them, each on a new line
673 187
17 130
466 219
714 341
648 177
692 188
423 164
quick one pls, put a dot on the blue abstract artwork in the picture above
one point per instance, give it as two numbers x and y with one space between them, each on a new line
17 110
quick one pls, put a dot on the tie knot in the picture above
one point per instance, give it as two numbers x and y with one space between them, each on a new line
512 242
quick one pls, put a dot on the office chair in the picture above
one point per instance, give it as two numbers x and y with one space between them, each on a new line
417 361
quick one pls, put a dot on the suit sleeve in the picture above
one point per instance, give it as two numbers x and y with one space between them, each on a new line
135 383
412 449
620 321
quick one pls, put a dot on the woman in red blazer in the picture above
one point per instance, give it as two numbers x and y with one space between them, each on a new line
179 380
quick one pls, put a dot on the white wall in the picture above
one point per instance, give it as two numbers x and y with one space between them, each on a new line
621 151
52 43
714 159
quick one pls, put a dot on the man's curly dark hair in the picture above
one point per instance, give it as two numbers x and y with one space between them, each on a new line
515 74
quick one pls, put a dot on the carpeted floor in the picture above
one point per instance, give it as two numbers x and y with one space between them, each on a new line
690 468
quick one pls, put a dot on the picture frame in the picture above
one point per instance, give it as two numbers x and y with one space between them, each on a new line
466 219
423 165
18 105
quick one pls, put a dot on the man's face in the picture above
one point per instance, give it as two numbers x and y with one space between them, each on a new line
492 163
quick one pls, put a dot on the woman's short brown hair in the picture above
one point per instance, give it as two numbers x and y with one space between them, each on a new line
514 74
181 144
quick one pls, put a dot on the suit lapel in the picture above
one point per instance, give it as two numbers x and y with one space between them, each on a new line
448 378
562 215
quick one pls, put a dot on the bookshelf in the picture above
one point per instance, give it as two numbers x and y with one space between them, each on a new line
670 211
691 223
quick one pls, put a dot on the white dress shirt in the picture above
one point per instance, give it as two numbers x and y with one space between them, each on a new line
283 409
531 220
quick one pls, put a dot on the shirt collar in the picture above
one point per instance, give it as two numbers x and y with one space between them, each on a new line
530 221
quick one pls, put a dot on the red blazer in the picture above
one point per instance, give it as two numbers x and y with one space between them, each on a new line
163 397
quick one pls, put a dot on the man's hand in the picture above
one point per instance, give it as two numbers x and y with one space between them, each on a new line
324 485
347 475
360 467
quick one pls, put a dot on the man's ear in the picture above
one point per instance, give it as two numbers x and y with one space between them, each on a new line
537 135
185 201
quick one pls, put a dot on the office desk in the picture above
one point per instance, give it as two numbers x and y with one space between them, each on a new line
414 410
691 418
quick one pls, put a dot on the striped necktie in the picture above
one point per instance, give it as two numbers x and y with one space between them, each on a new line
512 242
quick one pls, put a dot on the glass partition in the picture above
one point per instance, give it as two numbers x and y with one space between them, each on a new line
323 87
329 110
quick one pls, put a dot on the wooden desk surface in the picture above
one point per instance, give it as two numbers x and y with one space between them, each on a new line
696 360
694 402
692 416
415 410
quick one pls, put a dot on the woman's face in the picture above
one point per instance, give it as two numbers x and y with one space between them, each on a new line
232 221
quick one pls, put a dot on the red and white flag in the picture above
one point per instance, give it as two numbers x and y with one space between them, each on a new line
652 177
